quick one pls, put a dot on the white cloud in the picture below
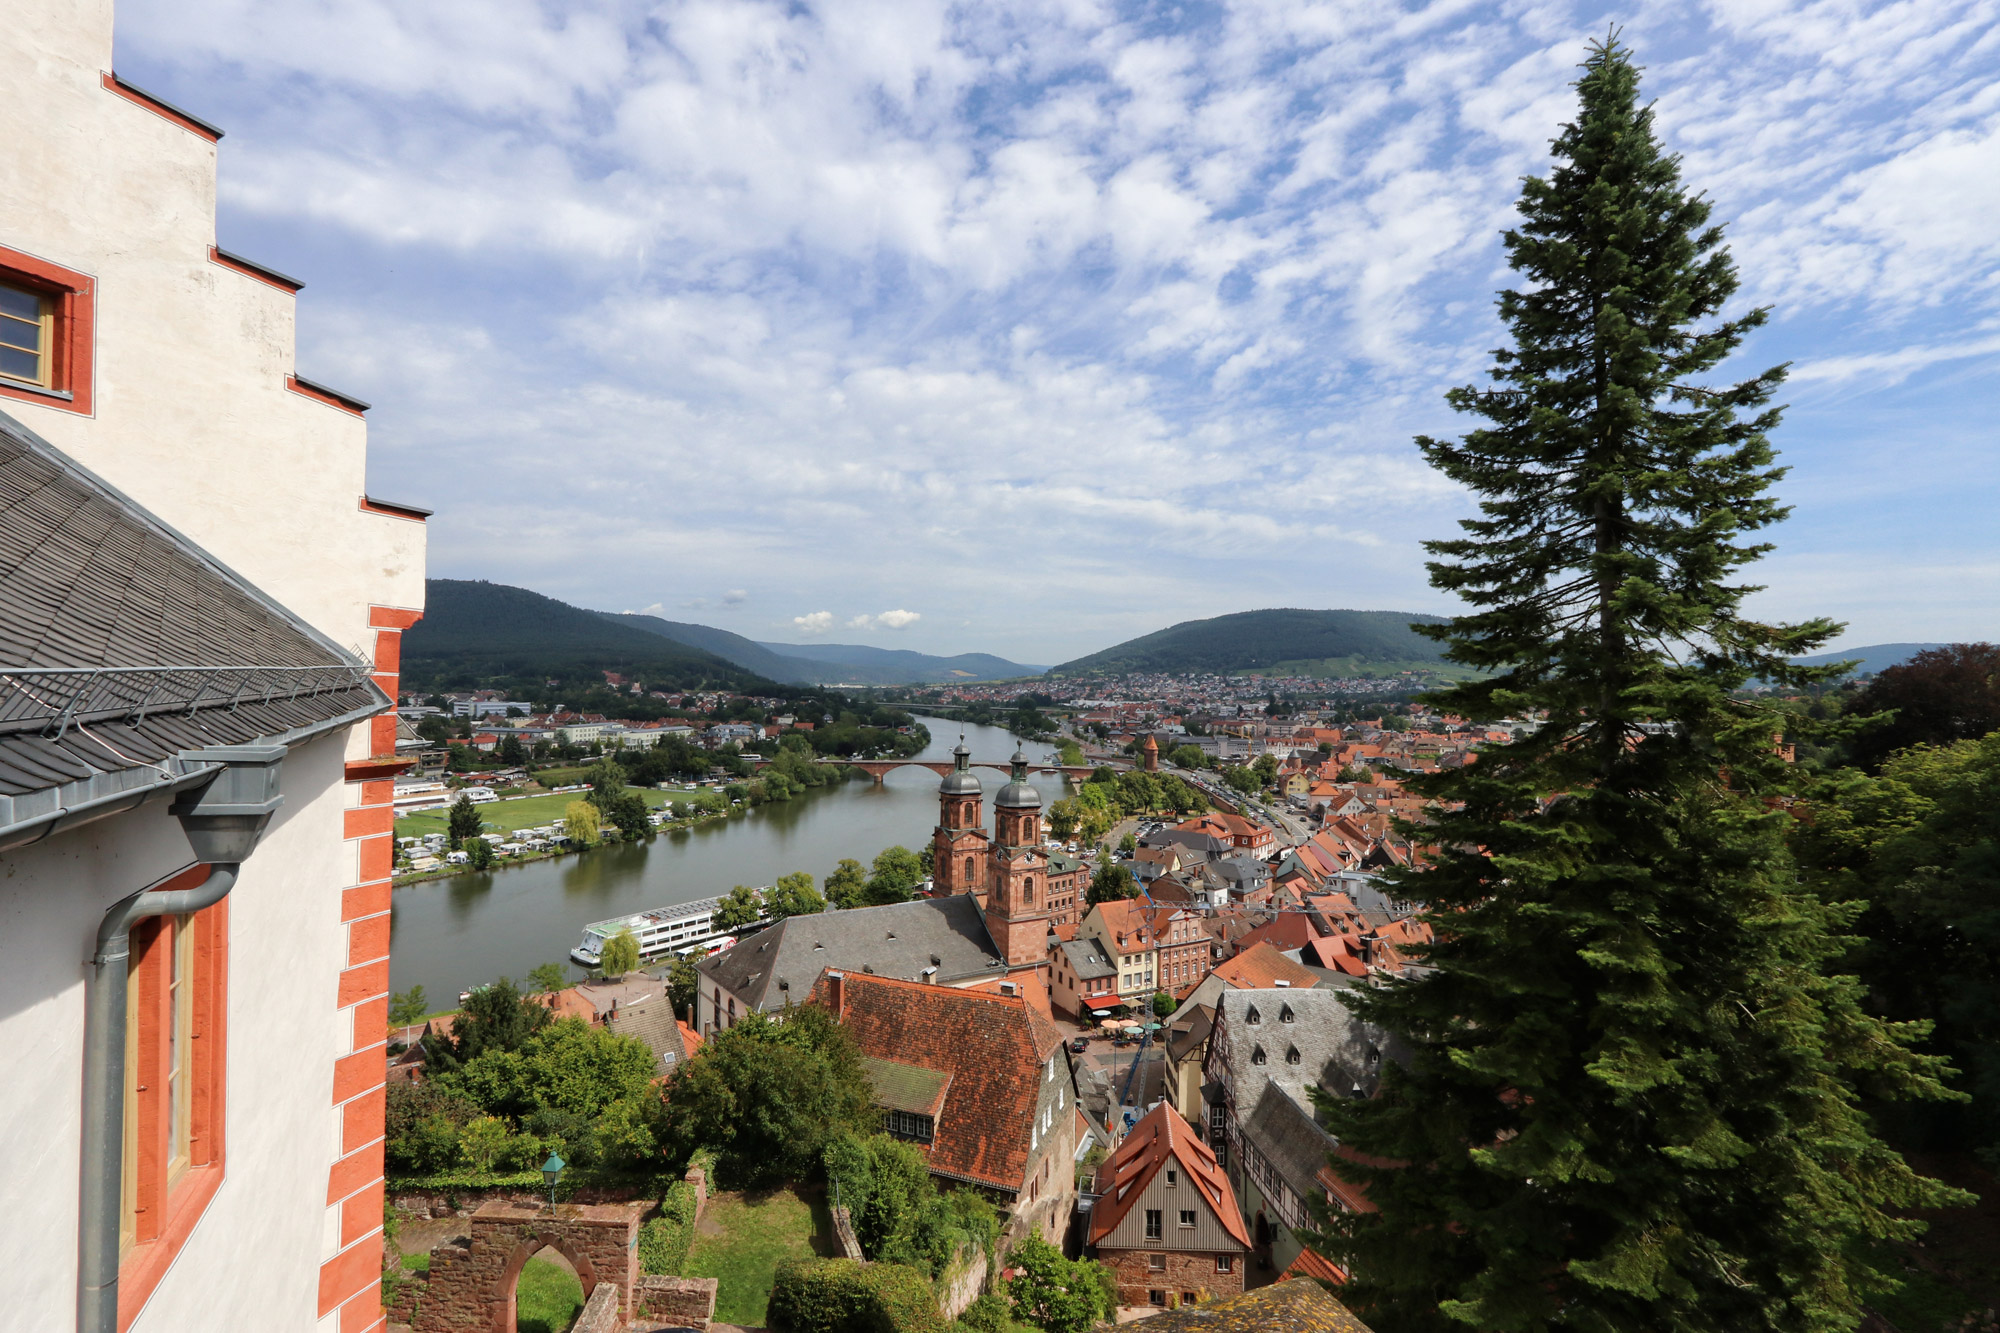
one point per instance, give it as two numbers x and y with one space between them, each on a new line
887 620
1061 316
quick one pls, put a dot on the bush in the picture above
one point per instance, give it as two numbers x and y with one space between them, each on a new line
988 1314
843 1296
664 1240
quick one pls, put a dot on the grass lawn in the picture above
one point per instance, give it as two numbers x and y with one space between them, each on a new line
547 1299
742 1238
506 815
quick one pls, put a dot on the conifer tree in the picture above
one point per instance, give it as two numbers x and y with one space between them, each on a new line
1628 1100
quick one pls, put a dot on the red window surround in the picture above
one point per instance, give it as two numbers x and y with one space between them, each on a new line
166 1211
75 333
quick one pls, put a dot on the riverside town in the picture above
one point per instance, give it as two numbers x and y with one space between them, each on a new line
688 668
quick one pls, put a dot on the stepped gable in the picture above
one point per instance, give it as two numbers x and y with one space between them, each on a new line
992 1048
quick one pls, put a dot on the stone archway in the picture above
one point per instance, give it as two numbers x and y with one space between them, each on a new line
502 1298
471 1286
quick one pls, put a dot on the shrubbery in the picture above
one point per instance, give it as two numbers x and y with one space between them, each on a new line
843 1296
898 1214
664 1240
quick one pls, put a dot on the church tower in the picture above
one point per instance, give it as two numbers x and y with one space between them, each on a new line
959 847
1017 876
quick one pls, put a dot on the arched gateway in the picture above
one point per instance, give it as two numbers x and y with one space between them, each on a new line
472 1283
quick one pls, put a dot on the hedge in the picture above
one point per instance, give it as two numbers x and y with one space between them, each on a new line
664 1240
846 1296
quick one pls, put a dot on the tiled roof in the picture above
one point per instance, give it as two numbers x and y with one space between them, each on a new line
1162 1136
105 599
1260 967
1292 930
1296 1306
993 1047
893 940
653 1022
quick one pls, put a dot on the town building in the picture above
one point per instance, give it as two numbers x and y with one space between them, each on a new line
1269 1051
980 1082
1165 1220
1083 981
200 617
960 846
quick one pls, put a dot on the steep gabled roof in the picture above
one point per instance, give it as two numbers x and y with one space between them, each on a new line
1260 966
994 1050
123 644
1299 1305
1160 1137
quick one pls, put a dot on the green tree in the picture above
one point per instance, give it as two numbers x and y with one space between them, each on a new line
494 1017
1057 1294
897 872
567 1066
794 895
847 886
1163 1004
1266 769
1918 845
1111 883
462 821
479 854
1128 845
407 1007
1939 696
511 751
607 783
580 823
547 978
1063 818
1187 756
683 982
620 954
1241 777
629 816
482 1140
1627 1102
743 906
767 1096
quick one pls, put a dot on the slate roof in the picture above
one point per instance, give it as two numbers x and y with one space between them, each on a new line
99 602
1298 1305
652 1021
1162 1136
892 940
1334 1046
992 1047
1087 959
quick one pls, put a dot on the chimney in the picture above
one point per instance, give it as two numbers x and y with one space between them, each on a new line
835 996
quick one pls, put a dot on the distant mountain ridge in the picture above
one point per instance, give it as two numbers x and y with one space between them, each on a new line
1871 659
473 630
1287 637
493 629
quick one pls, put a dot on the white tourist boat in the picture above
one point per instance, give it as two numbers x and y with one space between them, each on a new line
681 928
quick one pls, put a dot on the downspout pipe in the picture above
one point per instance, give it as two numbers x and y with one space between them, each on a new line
223 821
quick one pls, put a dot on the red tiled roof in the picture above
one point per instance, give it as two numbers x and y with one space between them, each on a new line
1312 1264
1292 930
1260 967
1162 1136
993 1046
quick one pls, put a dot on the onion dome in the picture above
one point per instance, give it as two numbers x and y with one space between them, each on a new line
1017 794
960 781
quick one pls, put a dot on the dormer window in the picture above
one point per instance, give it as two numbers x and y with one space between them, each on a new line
1285 1015
1257 1055
1291 1055
1252 1017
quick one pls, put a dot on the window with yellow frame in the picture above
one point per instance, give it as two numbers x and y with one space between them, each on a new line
27 342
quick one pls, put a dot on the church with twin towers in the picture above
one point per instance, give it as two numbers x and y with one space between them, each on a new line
1025 888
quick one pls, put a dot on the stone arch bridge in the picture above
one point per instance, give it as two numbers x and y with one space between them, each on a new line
880 768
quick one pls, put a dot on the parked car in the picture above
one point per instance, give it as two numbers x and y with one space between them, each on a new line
1079 1045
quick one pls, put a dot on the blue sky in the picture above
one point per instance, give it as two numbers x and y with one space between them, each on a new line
1027 328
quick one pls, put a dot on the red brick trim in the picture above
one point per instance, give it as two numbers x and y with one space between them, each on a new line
75 349
354 407
164 110
390 509
270 277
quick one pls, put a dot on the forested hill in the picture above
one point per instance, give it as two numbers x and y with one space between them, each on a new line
475 633
829 663
1285 640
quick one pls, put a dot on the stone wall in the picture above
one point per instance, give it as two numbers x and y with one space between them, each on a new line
961 1282
600 1312
1191 1272
843 1231
471 1284
466 1202
684 1302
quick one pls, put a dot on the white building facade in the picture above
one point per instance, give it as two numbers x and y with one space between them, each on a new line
211 507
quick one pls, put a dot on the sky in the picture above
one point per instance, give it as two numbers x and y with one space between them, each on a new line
1027 328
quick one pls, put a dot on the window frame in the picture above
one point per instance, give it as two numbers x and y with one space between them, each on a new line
1156 1223
70 323
176 1065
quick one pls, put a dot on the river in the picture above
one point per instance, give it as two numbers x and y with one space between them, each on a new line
448 934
